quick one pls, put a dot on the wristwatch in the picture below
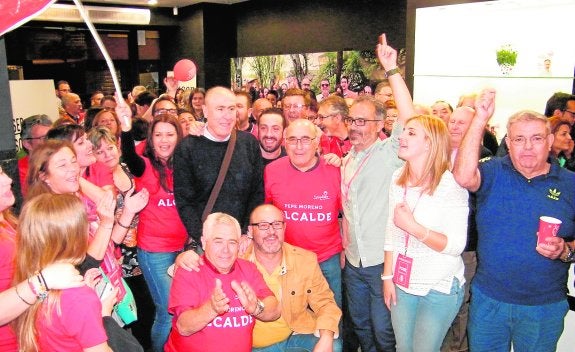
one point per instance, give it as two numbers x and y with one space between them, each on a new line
259 308
569 256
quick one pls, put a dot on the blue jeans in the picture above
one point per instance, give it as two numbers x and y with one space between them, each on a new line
154 266
495 325
421 322
297 343
332 272
370 317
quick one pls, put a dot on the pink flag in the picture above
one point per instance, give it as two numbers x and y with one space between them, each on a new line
17 12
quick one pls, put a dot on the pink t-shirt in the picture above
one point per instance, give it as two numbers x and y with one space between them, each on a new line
332 144
160 228
311 202
7 249
79 326
231 331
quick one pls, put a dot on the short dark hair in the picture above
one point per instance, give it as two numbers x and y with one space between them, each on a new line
145 98
558 101
276 111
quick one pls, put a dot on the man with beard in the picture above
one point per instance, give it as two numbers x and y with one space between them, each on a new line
271 124
310 315
365 177
330 118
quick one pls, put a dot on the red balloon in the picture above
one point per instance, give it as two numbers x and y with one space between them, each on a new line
184 70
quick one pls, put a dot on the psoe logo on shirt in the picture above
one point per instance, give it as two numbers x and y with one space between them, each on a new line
323 196
554 194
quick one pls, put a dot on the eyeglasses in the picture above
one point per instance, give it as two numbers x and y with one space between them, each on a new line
321 117
358 121
294 106
303 140
264 225
570 111
41 138
521 140
172 112
325 85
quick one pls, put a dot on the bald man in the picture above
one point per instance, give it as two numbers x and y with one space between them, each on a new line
197 162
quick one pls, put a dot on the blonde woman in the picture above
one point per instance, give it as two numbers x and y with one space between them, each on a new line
54 228
426 233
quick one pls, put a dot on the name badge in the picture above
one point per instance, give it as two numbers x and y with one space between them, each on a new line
402 271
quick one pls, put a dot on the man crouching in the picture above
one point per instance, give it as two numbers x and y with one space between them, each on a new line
214 309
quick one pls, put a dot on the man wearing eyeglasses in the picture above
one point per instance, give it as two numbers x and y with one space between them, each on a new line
560 105
365 177
310 315
330 119
295 104
518 293
324 90
215 308
32 133
307 190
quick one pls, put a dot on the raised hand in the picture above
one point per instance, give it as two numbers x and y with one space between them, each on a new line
485 105
124 113
386 55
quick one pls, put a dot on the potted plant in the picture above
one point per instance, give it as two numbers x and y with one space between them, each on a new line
506 58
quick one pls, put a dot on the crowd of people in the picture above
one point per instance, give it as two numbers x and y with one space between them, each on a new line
222 220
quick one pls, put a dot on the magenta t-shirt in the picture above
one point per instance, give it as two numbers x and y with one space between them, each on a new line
231 331
160 228
8 341
310 202
79 325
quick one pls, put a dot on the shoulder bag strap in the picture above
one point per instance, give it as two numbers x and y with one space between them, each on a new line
221 176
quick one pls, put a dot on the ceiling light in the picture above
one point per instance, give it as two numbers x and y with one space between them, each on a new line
152 2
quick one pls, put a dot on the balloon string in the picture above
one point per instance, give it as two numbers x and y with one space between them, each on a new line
96 36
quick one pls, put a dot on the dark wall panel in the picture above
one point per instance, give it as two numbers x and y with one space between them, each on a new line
300 26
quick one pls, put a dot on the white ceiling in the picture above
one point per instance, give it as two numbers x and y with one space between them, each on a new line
165 3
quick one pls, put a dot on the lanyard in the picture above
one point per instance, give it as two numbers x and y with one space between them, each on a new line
407 235
347 185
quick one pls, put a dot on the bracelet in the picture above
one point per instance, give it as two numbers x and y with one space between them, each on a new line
424 238
392 72
21 298
44 281
43 291
386 277
122 225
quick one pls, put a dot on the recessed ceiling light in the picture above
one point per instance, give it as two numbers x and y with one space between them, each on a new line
152 2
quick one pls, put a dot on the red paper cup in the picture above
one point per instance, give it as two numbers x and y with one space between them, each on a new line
548 227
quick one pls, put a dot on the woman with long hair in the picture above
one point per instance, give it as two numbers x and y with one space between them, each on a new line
562 148
54 228
426 233
15 300
54 169
108 154
161 233
196 100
